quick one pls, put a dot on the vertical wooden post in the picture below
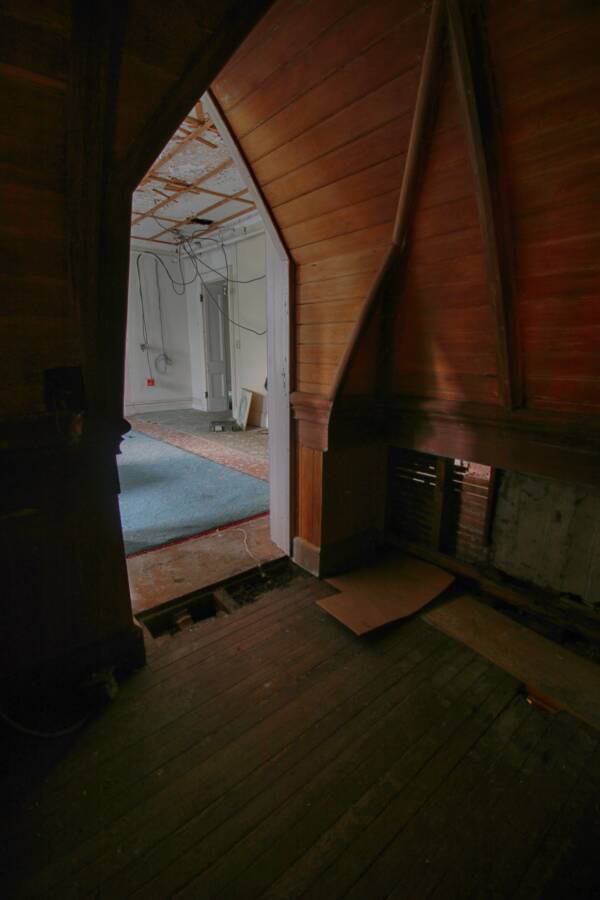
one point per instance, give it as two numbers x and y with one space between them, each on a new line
492 220
443 486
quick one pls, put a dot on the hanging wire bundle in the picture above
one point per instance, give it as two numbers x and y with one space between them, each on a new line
163 360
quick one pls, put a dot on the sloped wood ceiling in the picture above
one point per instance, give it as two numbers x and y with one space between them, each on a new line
322 102
321 99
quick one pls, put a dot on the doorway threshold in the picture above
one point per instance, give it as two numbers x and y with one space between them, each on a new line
162 575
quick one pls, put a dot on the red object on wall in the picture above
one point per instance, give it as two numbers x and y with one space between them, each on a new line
150 382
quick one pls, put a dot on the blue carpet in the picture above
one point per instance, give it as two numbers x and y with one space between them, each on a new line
167 493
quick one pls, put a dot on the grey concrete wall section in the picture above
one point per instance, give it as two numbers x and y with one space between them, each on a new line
548 533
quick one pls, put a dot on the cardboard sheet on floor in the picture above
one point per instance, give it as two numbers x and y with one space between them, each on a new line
393 588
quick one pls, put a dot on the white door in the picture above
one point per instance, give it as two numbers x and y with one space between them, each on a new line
216 341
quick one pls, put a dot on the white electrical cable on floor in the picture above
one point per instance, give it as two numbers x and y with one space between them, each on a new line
220 532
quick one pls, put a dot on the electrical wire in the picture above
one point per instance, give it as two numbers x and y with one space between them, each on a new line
190 249
220 532
163 360
146 347
195 261
32 732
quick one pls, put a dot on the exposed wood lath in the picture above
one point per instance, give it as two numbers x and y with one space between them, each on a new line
182 186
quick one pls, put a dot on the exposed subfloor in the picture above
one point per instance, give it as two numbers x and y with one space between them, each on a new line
274 754
162 575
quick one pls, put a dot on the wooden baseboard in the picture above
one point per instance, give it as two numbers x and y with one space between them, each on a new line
307 556
341 556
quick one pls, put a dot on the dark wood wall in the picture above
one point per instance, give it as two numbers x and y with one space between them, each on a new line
474 333
321 102
91 93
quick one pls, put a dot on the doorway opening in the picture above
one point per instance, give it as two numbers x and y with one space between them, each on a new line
195 468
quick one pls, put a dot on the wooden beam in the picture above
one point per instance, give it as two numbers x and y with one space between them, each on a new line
176 184
217 225
410 181
426 93
497 255
178 146
206 209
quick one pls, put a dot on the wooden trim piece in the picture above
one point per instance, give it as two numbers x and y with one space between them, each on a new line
361 324
211 104
307 556
151 212
518 447
408 189
499 277
574 429
311 413
430 69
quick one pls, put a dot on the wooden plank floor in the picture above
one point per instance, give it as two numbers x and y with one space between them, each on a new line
274 754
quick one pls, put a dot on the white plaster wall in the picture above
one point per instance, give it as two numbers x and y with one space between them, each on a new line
247 306
547 532
251 310
184 385
172 390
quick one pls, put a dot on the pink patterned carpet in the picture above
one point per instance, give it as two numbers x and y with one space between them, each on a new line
210 448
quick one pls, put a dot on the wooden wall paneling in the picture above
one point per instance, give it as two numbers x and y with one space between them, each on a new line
444 327
492 219
376 146
345 40
299 26
309 494
555 449
545 75
347 287
350 219
343 192
420 121
361 75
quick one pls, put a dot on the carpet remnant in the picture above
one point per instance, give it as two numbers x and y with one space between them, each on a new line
168 494
246 451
